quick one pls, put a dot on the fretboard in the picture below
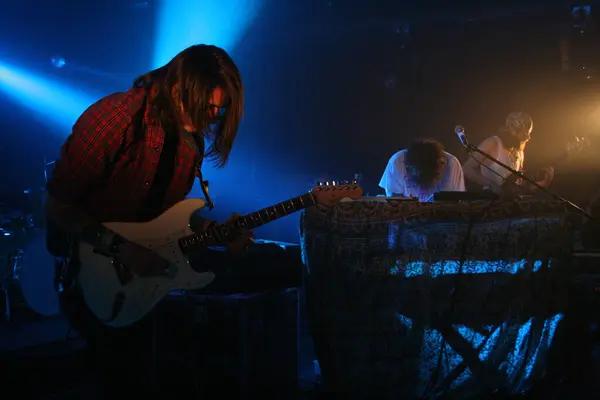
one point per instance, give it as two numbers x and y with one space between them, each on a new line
220 234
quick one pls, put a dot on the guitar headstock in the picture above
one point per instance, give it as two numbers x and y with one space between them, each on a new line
577 144
331 193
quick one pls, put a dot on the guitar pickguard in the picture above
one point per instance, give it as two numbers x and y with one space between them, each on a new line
169 250
123 272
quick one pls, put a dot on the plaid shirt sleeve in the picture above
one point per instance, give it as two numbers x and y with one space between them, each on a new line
97 135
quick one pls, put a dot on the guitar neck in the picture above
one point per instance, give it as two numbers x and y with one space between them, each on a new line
268 214
221 234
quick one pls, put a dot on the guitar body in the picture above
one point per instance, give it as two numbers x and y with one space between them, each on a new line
120 299
100 283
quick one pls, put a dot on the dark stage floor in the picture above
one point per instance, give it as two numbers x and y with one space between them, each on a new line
41 359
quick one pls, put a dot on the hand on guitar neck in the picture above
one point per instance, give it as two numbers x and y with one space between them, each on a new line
245 237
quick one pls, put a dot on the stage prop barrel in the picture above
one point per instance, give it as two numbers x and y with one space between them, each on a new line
422 300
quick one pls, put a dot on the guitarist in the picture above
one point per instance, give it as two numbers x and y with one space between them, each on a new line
508 147
130 157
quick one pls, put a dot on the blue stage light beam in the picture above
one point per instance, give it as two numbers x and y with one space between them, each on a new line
182 23
54 104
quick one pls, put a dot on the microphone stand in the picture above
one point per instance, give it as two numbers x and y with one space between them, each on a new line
470 149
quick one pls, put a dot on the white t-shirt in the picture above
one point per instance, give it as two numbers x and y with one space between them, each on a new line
395 179
514 158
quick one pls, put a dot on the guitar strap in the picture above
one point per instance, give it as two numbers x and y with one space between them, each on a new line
204 187
197 145
199 158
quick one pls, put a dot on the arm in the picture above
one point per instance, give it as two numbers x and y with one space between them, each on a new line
77 223
472 167
458 178
81 168
392 180
547 174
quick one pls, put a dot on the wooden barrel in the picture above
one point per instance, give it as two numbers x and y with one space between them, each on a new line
419 300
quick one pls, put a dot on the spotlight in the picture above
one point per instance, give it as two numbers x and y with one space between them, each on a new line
58 61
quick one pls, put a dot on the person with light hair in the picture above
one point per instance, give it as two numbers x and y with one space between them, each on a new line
508 147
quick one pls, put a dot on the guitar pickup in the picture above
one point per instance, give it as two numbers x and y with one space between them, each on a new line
103 253
123 273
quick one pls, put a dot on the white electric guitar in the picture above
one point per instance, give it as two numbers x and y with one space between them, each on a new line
119 298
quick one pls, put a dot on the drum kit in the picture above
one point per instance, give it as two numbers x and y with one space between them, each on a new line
27 269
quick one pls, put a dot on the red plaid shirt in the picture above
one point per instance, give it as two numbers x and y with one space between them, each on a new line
86 175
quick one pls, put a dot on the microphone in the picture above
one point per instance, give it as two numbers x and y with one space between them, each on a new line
460 132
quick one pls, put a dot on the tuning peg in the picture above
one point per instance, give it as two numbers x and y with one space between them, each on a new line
327 183
333 183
